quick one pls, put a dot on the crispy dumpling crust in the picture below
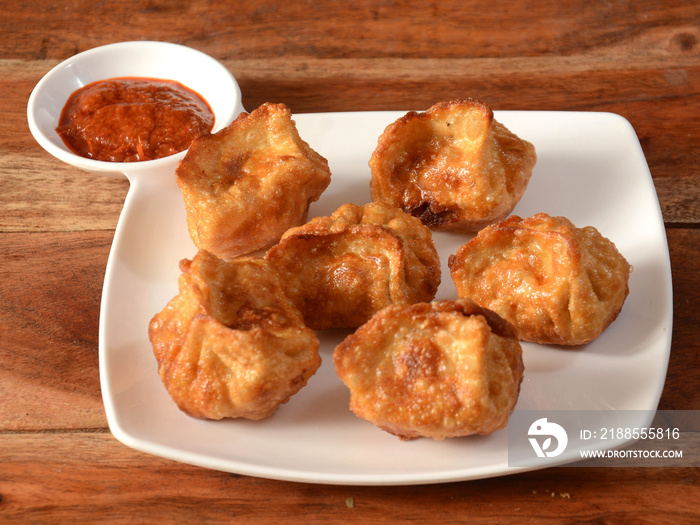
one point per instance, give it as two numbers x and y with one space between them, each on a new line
453 166
246 184
231 344
341 269
556 283
439 370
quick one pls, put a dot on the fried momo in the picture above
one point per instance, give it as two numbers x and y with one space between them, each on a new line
556 283
340 270
453 166
439 370
231 344
246 184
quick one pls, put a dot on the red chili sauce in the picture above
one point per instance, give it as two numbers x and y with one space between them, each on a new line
133 119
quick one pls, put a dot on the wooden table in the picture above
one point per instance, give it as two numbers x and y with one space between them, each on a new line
58 460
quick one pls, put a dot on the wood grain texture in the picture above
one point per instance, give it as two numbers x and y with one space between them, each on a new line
643 94
396 28
50 285
683 377
58 461
62 476
41 194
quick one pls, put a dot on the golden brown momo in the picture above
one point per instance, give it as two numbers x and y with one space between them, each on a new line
453 166
556 283
246 184
340 270
231 344
439 370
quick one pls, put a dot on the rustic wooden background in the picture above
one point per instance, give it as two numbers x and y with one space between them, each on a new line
58 461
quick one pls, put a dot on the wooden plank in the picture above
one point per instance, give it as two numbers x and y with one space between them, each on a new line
683 376
680 199
50 289
266 28
42 194
650 90
81 477
49 319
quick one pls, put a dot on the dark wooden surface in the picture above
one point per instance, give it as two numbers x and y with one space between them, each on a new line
58 460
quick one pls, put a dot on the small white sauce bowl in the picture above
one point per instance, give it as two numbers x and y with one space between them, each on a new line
162 60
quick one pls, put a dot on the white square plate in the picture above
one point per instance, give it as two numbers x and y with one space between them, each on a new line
590 169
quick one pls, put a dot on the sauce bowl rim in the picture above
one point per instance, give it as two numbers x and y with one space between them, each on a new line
41 108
